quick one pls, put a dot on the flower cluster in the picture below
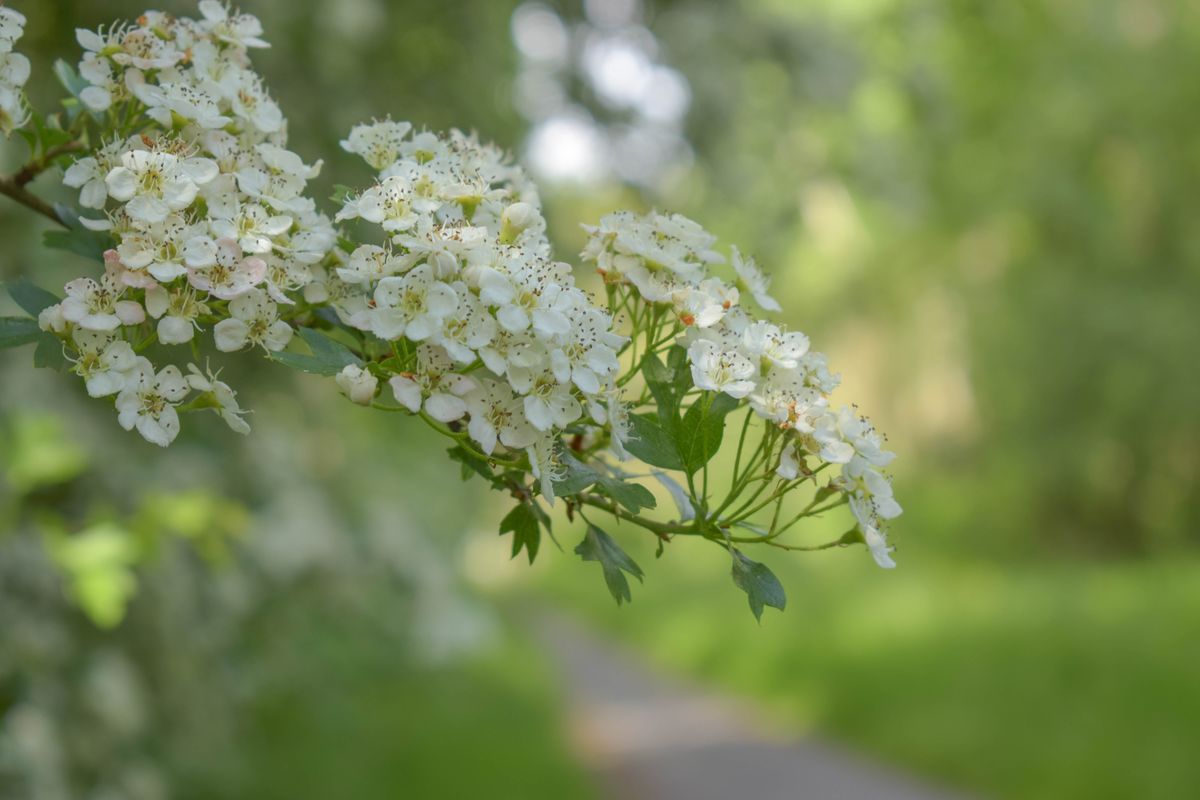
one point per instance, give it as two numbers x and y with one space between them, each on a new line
205 206
500 334
667 260
14 71
438 284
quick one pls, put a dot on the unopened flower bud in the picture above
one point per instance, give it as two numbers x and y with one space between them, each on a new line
358 384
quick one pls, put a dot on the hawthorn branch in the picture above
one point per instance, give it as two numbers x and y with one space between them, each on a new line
13 186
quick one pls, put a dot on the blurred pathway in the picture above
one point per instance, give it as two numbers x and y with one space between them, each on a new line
649 738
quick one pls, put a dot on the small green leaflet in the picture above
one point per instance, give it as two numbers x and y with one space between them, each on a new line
16 331
328 356
599 546
472 464
31 298
69 78
579 476
522 522
77 239
49 353
761 586
632 496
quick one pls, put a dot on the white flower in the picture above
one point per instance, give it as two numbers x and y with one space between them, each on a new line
176 312
512 350
516 219
377 142
153 183
783 397
773 347
253 227
543 463
388 204
657 253
468 329
13 111
279 179
497 416
412 305
718 370
224 399
51 319
166 101
789 462
128 46
98 306
433 385
531 293
248 99
880 549
103 362
12 26
752 279
219 268
357 384
88 175
157 247
253 319
242 30
703 306
618 425
844 436
588 355
547 402
370 263
148 402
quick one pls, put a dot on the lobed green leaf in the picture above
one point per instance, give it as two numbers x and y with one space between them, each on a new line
615 562
761 586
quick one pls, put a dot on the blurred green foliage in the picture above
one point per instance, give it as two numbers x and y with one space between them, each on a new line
1054 681
989 206
983 211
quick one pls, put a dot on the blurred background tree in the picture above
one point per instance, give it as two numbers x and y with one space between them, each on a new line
982 211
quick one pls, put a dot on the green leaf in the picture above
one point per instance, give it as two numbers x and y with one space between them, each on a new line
668 383
16 331
702 429
77 239
633 496
761 586
80 241
578 476
615 562
31 298
522 522
473 464
49 353
98 564
328 356
69 78
652 443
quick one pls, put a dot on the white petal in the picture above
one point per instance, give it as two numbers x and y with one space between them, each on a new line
445 407
230 335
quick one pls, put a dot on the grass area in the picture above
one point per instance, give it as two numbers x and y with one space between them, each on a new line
1053 681
366 726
